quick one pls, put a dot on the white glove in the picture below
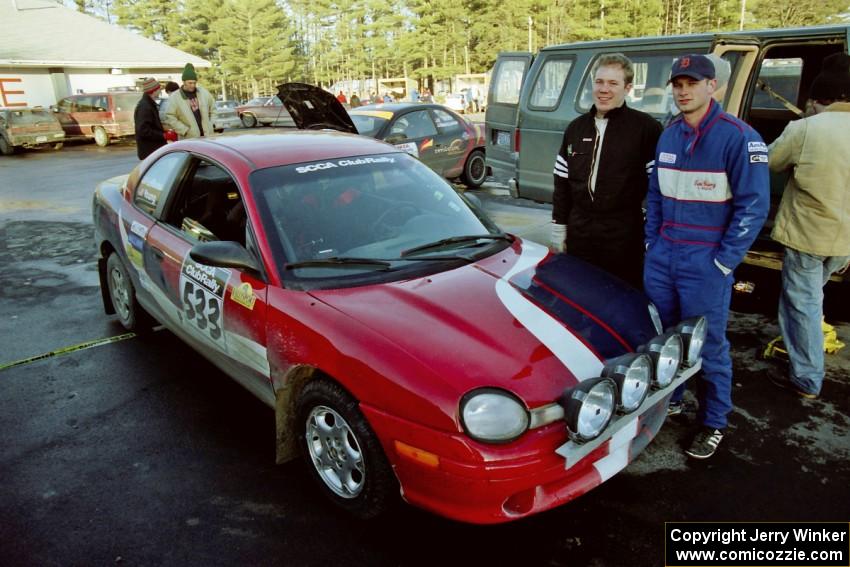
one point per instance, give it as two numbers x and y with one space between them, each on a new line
557 236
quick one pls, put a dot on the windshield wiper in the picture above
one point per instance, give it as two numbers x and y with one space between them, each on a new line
339 261
452 240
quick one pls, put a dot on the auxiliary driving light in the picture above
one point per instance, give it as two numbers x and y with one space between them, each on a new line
633 375
693 332
589 407
666 354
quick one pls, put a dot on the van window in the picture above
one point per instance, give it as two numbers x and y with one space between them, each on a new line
650 91
508 81
550 84
783 77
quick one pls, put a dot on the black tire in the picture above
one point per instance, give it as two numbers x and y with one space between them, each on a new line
249 120
218 130
370 488
101 138
122 294
474 170
6 148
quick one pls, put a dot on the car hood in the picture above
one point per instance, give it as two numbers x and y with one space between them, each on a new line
314 109
522 320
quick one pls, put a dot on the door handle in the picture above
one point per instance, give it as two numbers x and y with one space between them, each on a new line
157 252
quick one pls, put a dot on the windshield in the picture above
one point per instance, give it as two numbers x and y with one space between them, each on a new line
257 101
369 124
28 116
321 217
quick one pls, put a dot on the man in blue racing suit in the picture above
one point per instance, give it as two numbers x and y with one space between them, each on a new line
708 199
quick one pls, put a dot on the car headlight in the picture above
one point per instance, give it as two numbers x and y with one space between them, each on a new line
693 332
493 416
589 407
633 375
666 354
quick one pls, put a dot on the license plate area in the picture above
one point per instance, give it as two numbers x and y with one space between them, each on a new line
503 138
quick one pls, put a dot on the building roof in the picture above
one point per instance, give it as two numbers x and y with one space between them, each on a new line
41 33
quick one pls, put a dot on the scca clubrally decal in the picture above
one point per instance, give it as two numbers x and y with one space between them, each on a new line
202 298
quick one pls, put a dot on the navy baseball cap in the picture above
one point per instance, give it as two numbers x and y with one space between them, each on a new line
695 66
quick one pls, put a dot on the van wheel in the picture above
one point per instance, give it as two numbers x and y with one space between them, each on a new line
123 296
474 171
6 148
249 120
101 138
342 452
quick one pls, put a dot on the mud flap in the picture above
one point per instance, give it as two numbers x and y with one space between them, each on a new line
287 390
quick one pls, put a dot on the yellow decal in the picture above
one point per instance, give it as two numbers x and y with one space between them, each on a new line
376 113
243 294
426 144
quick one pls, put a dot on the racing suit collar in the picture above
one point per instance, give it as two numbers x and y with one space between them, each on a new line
704 125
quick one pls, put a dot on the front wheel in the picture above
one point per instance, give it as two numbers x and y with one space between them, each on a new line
101 138
123 296
6 148
341 452
249 120
474 171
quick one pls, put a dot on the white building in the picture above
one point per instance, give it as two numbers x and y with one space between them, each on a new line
48 52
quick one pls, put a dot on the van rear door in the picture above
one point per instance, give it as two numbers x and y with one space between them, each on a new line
502 110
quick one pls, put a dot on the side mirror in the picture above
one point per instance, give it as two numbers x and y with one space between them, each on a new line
224 254
395 138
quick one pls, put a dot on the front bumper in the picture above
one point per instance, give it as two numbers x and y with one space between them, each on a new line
229 122
487 484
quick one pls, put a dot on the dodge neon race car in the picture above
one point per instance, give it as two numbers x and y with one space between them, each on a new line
447 143
405 343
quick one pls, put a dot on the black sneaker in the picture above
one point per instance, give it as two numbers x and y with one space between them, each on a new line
705 443
785 383
675 408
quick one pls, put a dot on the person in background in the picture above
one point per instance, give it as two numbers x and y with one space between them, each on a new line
708 198
813 221
341 98
355 100
190 107
601 176
170 87
149 133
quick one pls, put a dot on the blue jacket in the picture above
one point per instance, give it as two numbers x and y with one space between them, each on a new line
710 186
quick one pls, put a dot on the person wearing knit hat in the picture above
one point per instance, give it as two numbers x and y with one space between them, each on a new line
149 132
190 107
813 220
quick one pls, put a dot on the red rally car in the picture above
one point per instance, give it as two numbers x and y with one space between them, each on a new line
406 344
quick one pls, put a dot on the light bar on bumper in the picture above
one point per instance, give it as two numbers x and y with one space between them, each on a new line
693 332
633 375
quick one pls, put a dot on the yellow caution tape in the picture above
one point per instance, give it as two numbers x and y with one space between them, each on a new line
66 350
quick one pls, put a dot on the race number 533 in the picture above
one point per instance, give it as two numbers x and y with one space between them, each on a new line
202 309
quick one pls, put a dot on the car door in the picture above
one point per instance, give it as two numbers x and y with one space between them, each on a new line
415 132
219 311
500 118
64 113
453 142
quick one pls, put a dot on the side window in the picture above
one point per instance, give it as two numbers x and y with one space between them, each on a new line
415 125
508 81
83 104
650 91
446 123
276 101
782 76
209 206
550 84
157 182
100 104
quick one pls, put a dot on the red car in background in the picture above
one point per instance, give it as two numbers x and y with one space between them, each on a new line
98 116
448 143
407 345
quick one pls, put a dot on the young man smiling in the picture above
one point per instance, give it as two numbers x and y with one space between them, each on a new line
708 199
601 176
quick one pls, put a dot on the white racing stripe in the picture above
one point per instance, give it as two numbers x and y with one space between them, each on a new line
566 347
618 451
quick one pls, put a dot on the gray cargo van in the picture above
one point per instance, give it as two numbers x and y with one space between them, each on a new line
532 98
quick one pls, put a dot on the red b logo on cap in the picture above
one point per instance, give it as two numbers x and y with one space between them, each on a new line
685 62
